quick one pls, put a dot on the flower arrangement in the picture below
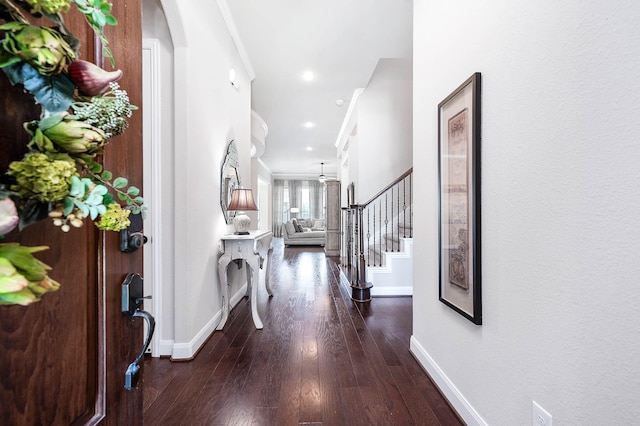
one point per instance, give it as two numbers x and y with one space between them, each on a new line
83 108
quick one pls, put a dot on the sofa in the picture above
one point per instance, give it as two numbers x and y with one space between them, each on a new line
312 233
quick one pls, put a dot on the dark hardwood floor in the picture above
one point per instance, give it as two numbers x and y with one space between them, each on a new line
321 359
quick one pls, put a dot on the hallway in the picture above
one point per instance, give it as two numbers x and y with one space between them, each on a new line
320 359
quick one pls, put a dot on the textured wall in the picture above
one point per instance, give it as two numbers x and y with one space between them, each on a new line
385 128
560 175
207 113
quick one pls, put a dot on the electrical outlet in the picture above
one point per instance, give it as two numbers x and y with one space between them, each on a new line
540 417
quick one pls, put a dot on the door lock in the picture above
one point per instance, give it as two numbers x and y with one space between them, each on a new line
132 289
132 238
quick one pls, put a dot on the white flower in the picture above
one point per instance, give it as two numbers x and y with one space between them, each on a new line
8 216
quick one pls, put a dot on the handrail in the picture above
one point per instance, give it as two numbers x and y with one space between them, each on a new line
376 227
386 188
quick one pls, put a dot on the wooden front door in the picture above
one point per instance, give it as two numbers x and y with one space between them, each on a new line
63 359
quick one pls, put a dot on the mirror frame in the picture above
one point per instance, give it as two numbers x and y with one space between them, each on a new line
229 179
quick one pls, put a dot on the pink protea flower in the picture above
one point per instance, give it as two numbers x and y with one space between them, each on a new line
8 216
90 79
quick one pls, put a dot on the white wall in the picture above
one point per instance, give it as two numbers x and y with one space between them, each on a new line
207 112
560 198
159 268
377 133
265 194
385 127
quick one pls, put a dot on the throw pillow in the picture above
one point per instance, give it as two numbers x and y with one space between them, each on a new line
290 228
296 225
318 224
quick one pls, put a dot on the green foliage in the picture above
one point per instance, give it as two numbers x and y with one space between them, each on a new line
54 93
87 197
49 6
64 134
115 219
41 178
41 47
98 14
128 194
120 183
108 112
58 178
23 278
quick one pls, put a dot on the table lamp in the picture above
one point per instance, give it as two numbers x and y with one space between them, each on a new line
242 201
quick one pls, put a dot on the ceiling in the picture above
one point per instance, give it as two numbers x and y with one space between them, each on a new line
340 42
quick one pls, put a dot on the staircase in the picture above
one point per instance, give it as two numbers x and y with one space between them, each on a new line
377 244
394 275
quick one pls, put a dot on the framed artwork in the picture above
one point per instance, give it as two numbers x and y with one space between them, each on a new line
459 199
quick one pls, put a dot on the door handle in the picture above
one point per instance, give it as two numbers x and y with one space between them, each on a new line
132 288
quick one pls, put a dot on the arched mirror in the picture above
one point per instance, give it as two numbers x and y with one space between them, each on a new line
229 179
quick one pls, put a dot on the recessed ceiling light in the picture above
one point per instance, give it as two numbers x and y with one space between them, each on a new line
309 148
309 124
339 102
307 76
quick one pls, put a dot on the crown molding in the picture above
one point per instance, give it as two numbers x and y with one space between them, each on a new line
349 120
235 35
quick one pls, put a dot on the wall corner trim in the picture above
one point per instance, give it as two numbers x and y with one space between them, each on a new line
235 35
447 387
152 164
349 118
165 348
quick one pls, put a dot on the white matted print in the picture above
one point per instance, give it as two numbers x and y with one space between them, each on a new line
459 197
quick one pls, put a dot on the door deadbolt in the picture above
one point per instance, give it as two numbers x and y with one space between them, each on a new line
132 238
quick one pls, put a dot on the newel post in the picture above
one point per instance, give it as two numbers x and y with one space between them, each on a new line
360 288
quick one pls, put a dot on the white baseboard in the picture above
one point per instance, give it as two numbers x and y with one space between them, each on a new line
189 349
447 387
237 296
377 290
345 282
165 348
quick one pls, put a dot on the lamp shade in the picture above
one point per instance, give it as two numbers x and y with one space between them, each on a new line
242 200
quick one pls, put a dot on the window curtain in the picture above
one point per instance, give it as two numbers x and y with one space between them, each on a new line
279 214
316 195
295 195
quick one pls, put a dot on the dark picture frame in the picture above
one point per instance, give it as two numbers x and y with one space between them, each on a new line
459 199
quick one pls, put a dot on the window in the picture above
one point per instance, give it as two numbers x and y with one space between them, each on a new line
309 208
304 208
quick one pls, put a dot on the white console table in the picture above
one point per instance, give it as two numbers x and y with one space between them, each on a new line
253 250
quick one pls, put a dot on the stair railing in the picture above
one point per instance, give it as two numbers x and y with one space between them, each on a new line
375 227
